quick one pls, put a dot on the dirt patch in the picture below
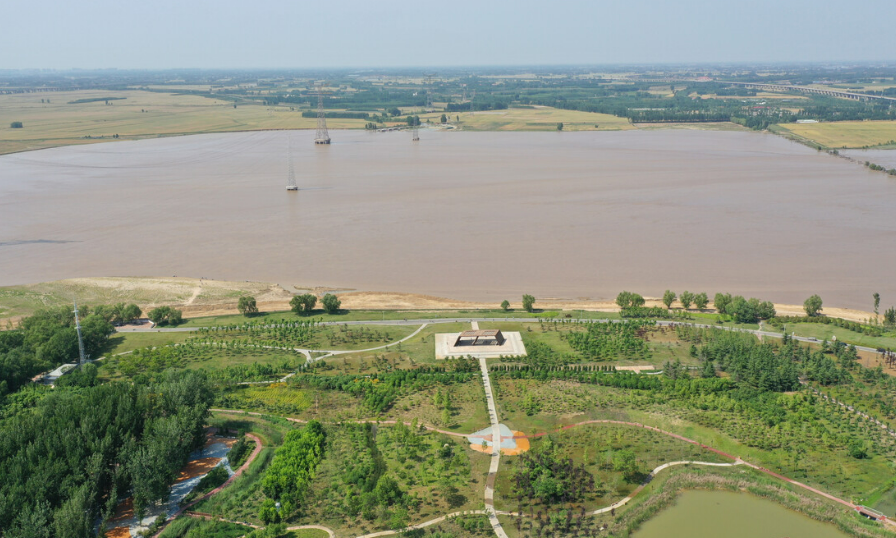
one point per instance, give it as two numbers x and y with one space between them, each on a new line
196 468
119 532
124 510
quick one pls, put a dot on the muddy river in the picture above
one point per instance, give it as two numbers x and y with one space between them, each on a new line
464 215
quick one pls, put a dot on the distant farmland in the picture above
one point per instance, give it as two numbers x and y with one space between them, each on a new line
70 117
845 134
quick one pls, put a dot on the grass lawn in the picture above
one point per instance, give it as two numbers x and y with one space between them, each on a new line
421 349
443 482
122 342
663 343
845 134
467 411
830 469
593 447
195 356
826 332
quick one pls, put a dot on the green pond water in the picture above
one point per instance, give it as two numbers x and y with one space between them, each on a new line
705 514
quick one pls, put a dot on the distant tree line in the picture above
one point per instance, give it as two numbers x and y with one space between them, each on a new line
339 115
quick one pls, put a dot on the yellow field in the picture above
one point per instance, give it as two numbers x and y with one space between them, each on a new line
845 134
58 123
533 119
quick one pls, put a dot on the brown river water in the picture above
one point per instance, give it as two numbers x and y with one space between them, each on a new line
466 215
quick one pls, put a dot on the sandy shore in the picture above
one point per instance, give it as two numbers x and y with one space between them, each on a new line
202 297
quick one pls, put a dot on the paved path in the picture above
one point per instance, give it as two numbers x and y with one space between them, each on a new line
327 530
496 453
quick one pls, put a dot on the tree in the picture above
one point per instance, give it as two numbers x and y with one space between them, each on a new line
721 302
627 299
331 303
303 304
625 462
890 316
247 306
16 125
395 111
268 512
701 300
876 302
130 313
668 298
560 126
686 299
528 302
812 305
165 315
857 449
444 119
505 305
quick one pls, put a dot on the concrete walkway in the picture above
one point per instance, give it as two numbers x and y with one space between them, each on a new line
496 453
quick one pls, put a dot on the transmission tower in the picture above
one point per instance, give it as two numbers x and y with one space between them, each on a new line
322 137
81 356
429 92
415 133
291 178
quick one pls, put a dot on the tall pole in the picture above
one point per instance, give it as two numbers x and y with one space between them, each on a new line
82 357
291 178
322 137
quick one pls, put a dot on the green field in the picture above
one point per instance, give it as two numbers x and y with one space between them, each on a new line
139 114
532 119
827 332
845 134
594 448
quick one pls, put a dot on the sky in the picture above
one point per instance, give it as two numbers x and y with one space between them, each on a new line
161 34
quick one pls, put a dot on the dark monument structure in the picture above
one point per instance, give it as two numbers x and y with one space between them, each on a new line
486 337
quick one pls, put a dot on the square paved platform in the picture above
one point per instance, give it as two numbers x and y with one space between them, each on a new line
512 347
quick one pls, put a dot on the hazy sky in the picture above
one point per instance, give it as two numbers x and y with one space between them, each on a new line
383 33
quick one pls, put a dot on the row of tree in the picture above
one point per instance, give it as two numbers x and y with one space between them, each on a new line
304 304
288 477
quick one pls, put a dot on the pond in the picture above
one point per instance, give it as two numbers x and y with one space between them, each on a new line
698 514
